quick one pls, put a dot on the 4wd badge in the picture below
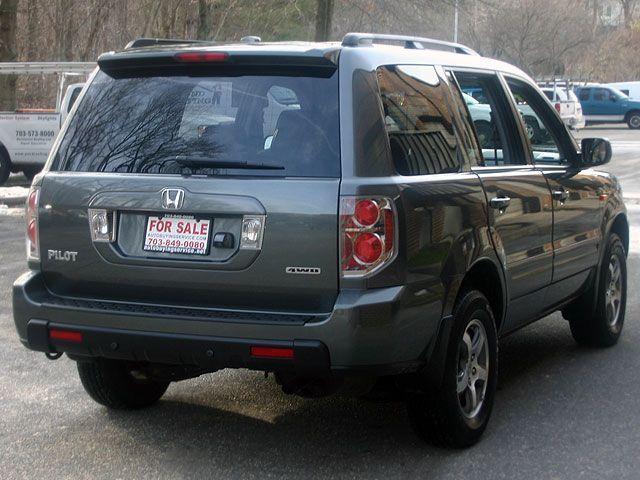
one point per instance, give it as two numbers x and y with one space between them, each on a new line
303 270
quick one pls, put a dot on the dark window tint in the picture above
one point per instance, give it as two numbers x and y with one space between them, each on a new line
584 94
549 94
182 124
418 120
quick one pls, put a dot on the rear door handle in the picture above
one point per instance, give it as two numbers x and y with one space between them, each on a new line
560 195
500 203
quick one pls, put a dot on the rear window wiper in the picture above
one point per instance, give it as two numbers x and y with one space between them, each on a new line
206 162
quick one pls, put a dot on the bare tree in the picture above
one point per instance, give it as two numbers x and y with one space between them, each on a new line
8 21
628 9
204 19
324 18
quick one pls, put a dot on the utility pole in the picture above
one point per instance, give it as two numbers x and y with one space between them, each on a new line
455 22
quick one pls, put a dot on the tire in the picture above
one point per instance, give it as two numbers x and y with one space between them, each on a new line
443 416
118 385
633 120
602 326
5 167
31 172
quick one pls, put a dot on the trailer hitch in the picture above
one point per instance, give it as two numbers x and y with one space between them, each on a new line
53 355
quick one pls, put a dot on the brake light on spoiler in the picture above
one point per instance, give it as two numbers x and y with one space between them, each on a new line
201 57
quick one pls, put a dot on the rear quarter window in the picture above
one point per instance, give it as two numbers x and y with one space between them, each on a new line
418 120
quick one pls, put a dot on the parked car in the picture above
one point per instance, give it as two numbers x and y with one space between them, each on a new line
26 135
603 104
630 89
567 105
375 236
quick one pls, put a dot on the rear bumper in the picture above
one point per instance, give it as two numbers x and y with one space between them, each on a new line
207 353
379 331
574 121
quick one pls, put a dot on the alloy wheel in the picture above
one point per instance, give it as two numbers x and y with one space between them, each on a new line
473 368
613 294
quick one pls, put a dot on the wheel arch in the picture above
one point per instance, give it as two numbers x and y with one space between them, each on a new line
631 112
620 226
5 151
487 276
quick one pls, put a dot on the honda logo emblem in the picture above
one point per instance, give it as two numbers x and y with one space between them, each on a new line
172 198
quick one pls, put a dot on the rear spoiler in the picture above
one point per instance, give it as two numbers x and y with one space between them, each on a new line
324 63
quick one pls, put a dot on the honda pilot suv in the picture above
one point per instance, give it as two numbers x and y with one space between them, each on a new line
325 212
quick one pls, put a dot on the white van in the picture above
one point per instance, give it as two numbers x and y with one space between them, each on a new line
26 135
631 89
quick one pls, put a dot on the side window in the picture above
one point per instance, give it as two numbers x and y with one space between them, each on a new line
585 93
489 112
601 94
418 120
541 124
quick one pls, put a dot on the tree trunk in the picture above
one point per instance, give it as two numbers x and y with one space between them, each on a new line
324 17
204 20
627 8
32 28
8 20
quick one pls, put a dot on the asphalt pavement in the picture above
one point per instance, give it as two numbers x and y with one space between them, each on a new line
561 412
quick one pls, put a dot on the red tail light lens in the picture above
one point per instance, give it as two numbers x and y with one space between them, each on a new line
367 233
201 57
557 107
33 244
368 248
366 212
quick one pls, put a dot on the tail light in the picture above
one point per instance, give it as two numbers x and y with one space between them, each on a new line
557 105
367 234
33 244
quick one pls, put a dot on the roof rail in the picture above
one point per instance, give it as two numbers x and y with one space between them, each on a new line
358 39
148 42
250 39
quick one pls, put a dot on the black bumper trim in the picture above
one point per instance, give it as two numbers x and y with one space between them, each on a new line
191 313
311 357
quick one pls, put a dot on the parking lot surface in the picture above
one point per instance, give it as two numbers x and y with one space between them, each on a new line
562 411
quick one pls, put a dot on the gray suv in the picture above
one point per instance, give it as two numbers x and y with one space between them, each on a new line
332 213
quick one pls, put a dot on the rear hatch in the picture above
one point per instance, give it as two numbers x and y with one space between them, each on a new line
198 185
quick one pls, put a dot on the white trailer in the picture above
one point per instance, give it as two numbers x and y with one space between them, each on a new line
630 89
26 135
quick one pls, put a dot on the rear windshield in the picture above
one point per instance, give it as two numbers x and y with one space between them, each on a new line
205 125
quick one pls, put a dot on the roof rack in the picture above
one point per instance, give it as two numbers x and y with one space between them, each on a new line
148 42
39 68
359 39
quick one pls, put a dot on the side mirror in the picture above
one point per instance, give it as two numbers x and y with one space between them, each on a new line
613 99
595 151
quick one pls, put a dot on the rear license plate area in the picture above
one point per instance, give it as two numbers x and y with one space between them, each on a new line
177 234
